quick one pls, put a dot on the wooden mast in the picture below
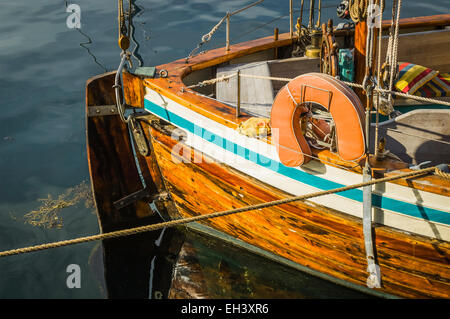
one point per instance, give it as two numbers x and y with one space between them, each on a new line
360 57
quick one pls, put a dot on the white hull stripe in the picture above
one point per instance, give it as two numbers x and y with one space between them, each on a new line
413 210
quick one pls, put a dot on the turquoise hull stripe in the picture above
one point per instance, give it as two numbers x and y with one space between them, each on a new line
303 177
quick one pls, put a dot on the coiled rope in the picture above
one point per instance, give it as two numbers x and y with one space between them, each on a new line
358 10
172 223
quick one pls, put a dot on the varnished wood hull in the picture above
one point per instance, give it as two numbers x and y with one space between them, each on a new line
308 234
112 167
325 237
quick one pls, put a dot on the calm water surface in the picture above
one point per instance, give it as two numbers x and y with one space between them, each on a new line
42 152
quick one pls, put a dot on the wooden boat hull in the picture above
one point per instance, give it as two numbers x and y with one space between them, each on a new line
324 235
308 234
113 166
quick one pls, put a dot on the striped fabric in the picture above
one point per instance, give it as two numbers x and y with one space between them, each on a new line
437 87
412 77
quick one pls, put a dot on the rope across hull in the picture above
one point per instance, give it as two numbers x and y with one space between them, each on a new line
411 236
308 234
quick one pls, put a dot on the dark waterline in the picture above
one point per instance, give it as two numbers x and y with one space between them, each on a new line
42 145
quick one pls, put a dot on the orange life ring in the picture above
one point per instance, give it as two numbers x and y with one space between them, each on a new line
336 97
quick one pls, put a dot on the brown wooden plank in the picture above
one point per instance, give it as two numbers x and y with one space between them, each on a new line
439 20
360 58
333 261
153 177
111 162
133 90
335 248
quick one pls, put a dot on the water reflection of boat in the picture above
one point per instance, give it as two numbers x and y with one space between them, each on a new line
144 271
176 264
219 132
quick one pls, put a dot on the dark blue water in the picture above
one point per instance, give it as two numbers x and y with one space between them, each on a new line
44 67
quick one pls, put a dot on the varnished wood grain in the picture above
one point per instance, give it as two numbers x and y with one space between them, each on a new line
320 238
439 20
133 90
308 234
112 166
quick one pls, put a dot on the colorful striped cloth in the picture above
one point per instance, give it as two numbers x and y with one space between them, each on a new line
412 77
437 87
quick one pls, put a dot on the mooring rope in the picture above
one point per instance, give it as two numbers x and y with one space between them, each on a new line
176 222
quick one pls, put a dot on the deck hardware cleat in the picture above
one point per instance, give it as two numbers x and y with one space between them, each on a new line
419 166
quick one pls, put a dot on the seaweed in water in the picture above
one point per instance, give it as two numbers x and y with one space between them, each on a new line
48 214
